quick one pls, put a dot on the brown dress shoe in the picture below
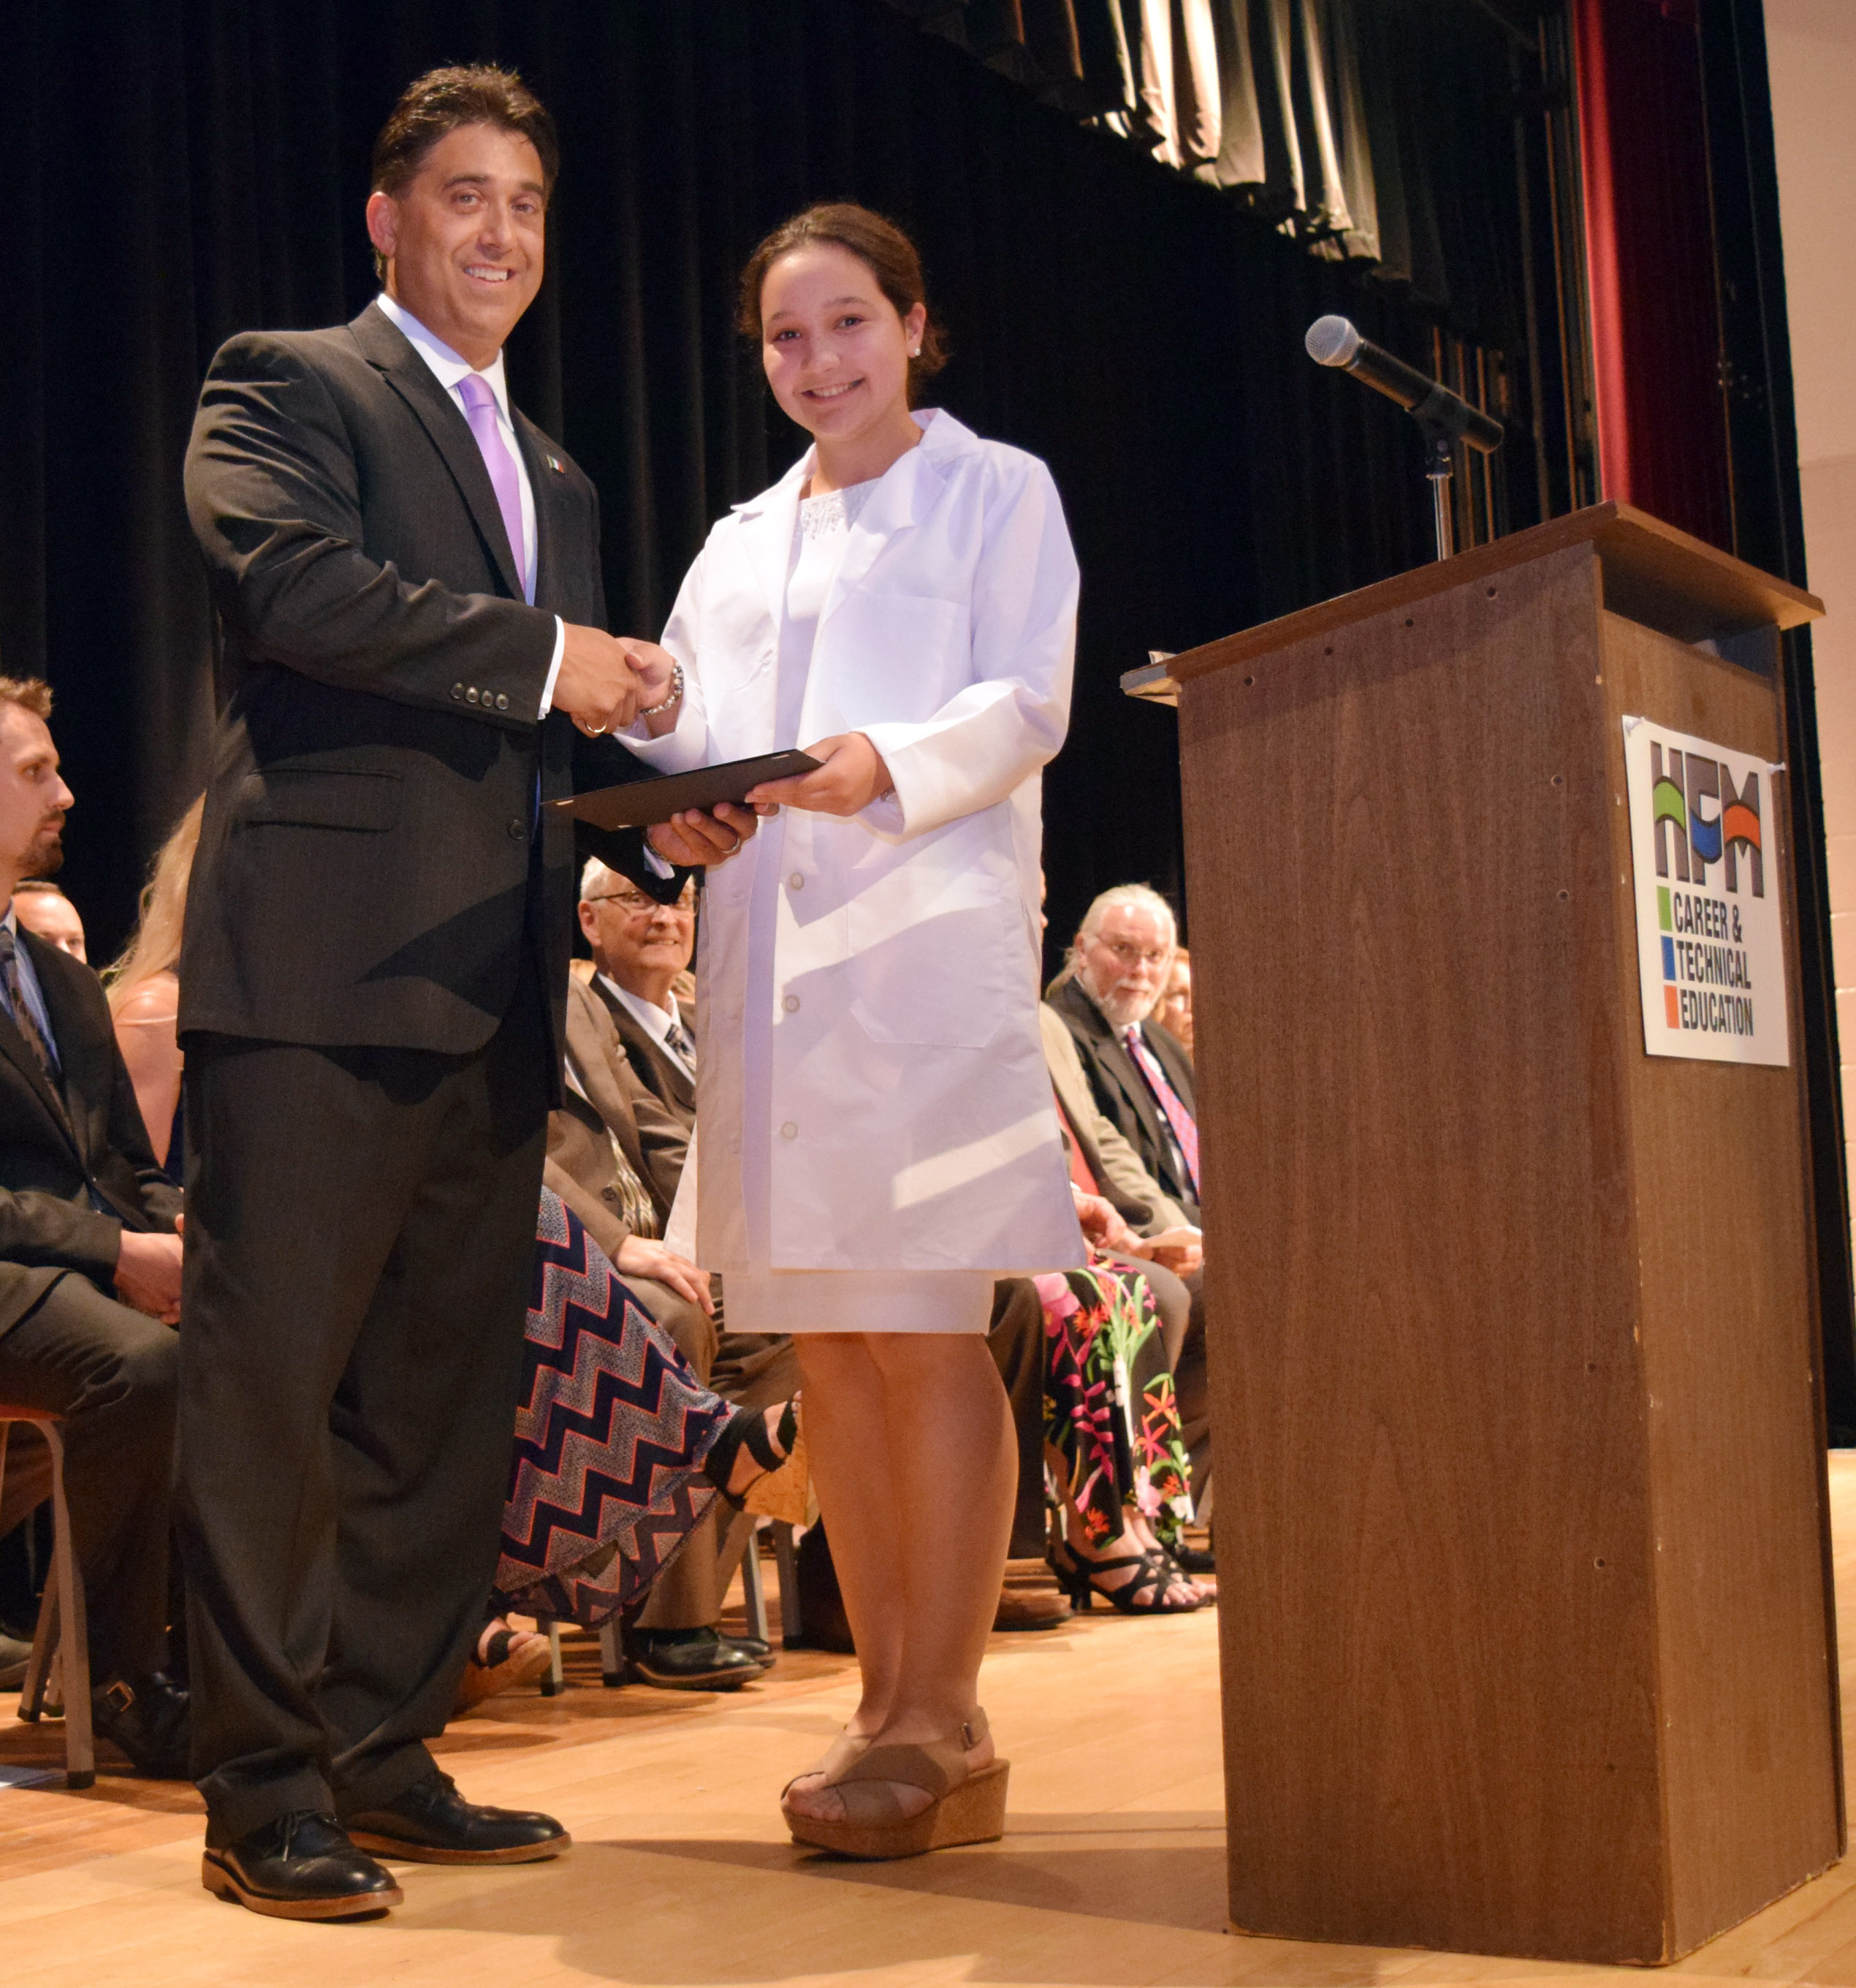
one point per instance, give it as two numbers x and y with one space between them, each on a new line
1029 1597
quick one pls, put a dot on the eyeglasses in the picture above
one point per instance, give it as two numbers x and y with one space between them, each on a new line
633 902
1130 955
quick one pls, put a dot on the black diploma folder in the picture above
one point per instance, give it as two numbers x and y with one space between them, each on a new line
643 803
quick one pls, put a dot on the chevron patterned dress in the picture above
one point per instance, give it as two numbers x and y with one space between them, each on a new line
612 1427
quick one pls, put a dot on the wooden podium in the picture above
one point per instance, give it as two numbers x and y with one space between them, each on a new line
1526 1626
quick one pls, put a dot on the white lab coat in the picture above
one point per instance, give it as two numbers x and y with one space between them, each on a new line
906 1114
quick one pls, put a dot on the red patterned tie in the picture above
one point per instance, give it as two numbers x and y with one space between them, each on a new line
1184 1128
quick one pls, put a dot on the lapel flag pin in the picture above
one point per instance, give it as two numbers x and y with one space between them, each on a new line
557 465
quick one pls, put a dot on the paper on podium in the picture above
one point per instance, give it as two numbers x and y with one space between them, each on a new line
644 803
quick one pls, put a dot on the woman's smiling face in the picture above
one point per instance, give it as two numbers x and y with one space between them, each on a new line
835 350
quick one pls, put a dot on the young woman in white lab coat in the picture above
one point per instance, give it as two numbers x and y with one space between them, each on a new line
878 1142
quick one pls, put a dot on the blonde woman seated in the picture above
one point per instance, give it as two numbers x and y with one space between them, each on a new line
144 995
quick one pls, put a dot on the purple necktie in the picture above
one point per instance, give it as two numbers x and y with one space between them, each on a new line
480 407
1185 1127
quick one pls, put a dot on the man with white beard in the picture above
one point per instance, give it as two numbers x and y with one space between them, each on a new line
1141 1076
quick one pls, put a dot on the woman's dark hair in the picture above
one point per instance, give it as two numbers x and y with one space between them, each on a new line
443 99
881 246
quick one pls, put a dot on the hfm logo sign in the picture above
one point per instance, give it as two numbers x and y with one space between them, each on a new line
1710 939
1691 839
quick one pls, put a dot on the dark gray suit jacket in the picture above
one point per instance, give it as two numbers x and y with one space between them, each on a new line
1122 1092
54 1150
366 859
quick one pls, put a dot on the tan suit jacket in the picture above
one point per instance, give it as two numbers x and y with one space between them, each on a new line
1106 1152
654 1140
658 1070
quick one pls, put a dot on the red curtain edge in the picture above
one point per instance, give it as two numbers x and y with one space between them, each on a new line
1602 283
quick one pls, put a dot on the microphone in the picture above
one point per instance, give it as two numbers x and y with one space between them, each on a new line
1443 416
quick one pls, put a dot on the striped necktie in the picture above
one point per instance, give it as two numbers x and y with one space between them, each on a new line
1185 1128
680 1045
23 1018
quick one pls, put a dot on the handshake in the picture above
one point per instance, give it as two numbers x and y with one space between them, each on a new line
606 681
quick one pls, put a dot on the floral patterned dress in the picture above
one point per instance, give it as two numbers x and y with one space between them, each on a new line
1111 1421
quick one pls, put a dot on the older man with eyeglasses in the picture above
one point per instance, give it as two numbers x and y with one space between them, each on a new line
639 948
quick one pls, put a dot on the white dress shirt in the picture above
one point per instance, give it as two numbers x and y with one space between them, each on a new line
450 371
656 1022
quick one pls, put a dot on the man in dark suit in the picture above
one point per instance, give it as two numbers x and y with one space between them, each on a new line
1142 1078
639 946
407 576
90 1270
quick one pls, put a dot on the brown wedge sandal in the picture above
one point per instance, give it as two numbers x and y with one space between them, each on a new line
968 1807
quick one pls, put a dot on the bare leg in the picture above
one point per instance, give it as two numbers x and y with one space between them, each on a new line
942 1509
847 1445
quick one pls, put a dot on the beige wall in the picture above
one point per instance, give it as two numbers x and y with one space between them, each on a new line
1811 49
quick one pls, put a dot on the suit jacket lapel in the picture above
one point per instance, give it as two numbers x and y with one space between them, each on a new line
14 1046
387 349
1120 1068
634 1035
546 484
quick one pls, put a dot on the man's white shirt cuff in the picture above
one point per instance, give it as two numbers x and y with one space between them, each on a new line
554 669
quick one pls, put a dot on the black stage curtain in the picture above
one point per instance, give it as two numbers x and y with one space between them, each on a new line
192 167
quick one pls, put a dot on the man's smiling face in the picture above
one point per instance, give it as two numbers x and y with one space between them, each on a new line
464 239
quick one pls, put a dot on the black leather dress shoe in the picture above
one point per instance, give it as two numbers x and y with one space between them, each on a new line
431 1823
689 1660
302 1866
1194 1559
145 1718
762 1652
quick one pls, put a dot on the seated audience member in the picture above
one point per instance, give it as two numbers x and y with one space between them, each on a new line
1154 1236
1173 1011
41 908
1112 1436
1143 1079
616 1153
599 1498
640 947
89 1267
144 992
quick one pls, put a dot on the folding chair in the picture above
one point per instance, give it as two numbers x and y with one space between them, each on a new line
62 1634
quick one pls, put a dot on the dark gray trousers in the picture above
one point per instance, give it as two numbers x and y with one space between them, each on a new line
360 1246
110 1372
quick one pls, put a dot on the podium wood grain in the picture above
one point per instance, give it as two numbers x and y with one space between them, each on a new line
1514 1340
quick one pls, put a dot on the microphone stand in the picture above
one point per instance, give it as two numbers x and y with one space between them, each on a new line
1439 475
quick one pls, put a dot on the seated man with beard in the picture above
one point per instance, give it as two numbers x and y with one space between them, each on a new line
89 1270
1135 1127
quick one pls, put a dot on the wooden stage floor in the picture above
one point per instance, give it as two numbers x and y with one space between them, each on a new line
681 1876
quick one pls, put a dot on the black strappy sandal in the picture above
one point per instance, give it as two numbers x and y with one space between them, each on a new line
1156 1571
747 1428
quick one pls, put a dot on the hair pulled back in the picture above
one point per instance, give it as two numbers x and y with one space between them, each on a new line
878 243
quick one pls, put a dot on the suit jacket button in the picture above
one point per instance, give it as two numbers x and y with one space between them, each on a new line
502 701
458 692
518 830
470 695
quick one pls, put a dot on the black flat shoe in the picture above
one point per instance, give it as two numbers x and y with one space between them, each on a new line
145 1718
1194 1559
431 1823
302 1866
689 1660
